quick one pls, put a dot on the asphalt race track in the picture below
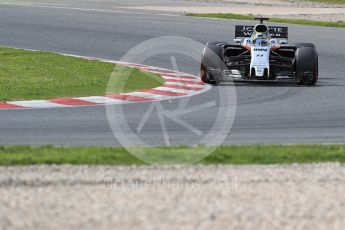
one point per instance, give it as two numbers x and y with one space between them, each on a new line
265 113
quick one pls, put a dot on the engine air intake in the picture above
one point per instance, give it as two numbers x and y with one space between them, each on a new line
261 29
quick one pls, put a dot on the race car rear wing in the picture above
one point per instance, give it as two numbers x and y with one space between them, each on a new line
277 32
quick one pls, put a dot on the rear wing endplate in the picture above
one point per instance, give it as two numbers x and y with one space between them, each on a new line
277 32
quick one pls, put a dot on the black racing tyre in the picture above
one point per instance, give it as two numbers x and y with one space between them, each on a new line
212 58
306 62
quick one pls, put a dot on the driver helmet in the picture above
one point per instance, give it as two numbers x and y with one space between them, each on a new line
260 39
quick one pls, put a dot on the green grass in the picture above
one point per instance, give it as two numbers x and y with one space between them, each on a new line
41 75
273 154
278 20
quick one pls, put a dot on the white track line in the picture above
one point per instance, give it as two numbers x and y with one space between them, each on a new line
148 95
37 104
101 100
180 78
167 89
184 84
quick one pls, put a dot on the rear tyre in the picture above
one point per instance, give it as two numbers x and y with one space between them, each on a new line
212 58
306 65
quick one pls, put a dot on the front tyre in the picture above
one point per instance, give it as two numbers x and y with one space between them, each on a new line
306 66
212 59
